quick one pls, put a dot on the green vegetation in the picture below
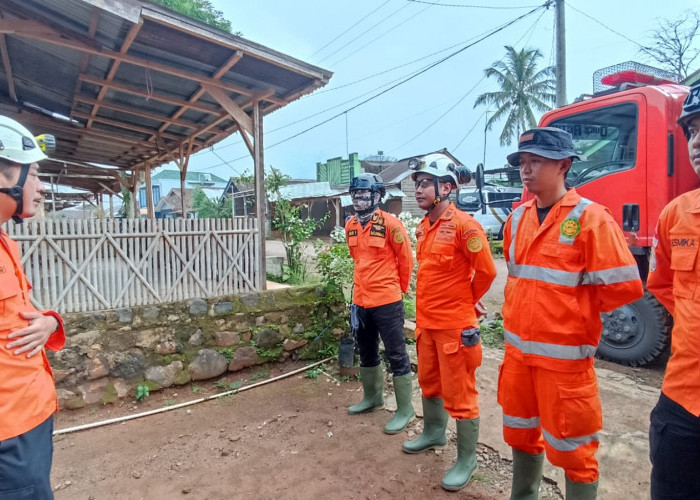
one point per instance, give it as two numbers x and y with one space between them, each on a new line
492 334
523 89
260 375
142 391
227 352
315 371
201 10
207 208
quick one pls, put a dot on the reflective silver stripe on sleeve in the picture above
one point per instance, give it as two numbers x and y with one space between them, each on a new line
555 351
611 276
569 444
575 213
520 423
514 221
545 274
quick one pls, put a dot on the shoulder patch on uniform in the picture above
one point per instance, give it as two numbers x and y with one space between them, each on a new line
352 232
470 232
474 244
397 235
570 227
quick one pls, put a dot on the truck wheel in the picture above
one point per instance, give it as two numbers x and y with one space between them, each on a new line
636 333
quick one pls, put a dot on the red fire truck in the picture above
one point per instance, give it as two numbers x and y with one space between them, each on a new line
636 161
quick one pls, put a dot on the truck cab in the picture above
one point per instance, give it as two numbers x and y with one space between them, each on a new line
636 162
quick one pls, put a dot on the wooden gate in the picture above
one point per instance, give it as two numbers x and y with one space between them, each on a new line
89 265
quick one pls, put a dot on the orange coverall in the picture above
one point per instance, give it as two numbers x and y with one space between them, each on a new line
674 278
383 259
455 269
561 275
27 392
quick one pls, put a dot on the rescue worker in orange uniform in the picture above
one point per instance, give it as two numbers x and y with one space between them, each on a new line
383 258
27 393
567 262
674 278
455 269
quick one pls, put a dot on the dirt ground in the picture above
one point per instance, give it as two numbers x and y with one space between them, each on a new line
293 439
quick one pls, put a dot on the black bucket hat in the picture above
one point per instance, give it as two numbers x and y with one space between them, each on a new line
548 142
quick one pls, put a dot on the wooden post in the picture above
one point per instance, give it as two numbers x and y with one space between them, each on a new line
151 214
111 206
135 195
261 201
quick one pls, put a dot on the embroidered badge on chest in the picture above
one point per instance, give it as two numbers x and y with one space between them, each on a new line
378 231
352 232
570 228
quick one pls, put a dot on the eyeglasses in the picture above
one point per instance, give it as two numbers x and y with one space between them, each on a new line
424 183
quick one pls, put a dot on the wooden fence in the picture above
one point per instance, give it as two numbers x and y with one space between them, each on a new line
89 265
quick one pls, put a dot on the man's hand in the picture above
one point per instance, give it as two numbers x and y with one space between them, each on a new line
33 337
480 310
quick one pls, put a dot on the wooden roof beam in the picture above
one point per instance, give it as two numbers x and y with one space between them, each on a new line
86 57
128 40
138 112
148 95
39 31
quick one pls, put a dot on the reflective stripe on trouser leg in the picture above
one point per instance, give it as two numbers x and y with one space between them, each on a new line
516 395
571 417
446 369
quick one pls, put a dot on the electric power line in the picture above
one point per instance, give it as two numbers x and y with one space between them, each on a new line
466 6
400 24
606 27
364 32
351 27
405 80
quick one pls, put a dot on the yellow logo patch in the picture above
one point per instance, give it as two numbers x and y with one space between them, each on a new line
398 237
474 244
570 228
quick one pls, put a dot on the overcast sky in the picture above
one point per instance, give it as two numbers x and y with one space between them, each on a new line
435 109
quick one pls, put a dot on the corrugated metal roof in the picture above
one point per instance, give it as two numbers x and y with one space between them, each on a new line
130 75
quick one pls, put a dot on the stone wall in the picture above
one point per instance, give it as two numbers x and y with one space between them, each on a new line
108 354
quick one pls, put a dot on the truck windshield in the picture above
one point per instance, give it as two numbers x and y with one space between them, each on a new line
607 138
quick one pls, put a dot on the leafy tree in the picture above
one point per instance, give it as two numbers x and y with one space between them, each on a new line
293 228
522 89
674 44
206 208
202 10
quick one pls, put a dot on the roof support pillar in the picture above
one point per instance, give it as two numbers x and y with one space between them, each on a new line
149 193
260 198
135 195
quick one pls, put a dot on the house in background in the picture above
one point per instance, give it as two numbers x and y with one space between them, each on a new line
166 180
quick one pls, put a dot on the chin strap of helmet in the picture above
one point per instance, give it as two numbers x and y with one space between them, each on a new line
438 199
16 192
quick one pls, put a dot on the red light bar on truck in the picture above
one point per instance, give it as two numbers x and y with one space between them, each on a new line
617 79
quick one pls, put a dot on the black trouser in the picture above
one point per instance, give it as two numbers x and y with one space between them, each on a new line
385 321
674 449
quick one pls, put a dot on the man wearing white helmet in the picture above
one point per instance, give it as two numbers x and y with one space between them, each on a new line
455 269
27 392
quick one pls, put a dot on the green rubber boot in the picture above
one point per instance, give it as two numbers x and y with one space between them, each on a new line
527 474
581 491
461 472
434 425
403 389
373 385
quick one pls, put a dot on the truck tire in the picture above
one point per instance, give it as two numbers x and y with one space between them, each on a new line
636 333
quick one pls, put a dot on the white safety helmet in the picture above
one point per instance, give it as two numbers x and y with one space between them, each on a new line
17 144
439 166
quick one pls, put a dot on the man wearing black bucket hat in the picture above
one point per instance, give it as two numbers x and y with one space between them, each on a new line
567 262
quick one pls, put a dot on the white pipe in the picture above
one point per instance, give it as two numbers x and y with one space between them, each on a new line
188 403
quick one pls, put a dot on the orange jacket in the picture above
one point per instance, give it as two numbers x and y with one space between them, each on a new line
455 269
674 278
383 259
561 276
27 392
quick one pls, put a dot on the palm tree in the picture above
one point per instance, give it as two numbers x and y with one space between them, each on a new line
523 89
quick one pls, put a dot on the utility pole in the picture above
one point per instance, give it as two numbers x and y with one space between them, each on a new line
486 122
561 52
